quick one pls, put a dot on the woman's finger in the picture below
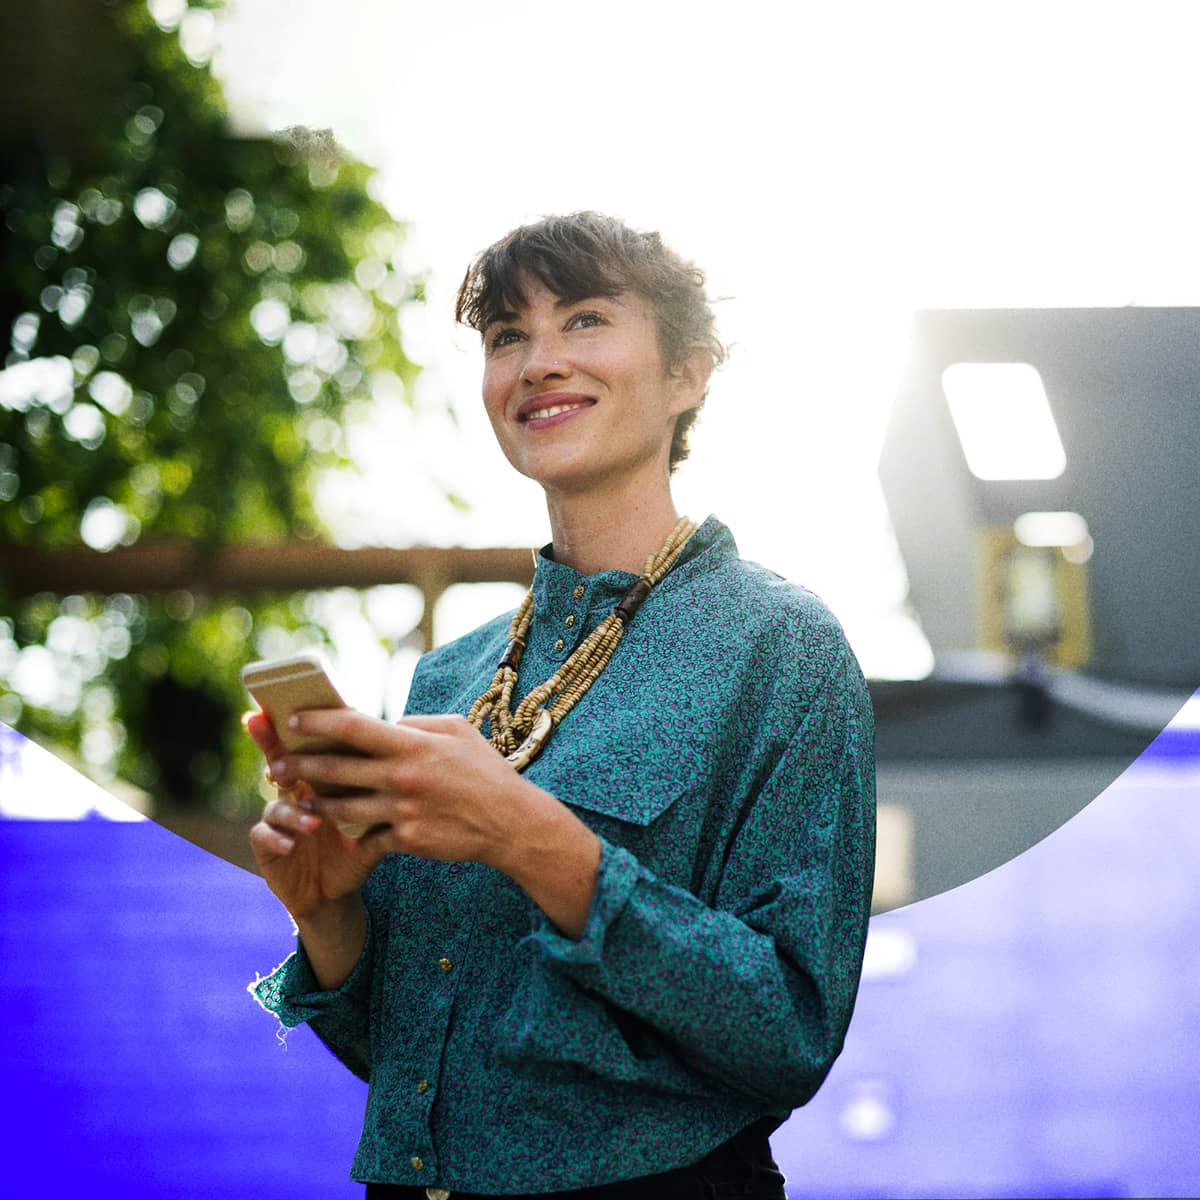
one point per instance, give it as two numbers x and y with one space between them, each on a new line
329 774
267 842
285 817
370 809
258 726
379 739
435 722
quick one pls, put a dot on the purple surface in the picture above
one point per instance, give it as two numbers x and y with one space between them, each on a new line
1046 1040
1043 1040
135 1061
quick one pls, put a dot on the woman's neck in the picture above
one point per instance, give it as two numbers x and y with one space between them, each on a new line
610 532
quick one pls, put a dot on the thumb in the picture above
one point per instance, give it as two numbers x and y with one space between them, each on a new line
262 732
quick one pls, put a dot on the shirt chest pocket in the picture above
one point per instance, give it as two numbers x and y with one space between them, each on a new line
621 784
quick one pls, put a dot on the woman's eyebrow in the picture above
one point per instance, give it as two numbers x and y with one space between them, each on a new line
507 316
613 296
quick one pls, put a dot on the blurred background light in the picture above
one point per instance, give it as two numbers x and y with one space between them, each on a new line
1004 421
1050 529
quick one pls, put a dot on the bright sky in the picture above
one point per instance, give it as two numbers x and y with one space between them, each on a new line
831 166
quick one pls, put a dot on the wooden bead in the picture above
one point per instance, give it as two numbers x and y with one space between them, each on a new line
632 600
512 654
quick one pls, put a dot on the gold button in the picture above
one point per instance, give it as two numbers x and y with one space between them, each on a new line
578 592
445 964
418 1162
559 645
423 1086
570 620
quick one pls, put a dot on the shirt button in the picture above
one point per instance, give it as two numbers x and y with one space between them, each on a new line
570 620
418 1162
423 1086
559 645
445 964
578 592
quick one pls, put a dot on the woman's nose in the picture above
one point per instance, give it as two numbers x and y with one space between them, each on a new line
543 360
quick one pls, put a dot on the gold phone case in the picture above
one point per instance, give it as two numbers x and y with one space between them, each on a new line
287 685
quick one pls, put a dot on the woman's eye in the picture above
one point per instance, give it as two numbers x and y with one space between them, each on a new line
587 320
502 338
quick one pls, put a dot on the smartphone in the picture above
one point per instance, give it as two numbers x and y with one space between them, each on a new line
283 686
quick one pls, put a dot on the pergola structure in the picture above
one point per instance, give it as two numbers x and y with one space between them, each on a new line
248 568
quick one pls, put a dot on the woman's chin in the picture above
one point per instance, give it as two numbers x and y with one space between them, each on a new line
575 470
563 473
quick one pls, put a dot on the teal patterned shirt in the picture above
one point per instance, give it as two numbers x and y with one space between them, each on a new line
725 758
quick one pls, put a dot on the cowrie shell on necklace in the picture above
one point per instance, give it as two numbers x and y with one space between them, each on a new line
539 735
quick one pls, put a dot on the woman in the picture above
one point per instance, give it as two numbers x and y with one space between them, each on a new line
605 948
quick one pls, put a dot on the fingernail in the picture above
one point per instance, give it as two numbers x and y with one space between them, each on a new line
279 768
294 721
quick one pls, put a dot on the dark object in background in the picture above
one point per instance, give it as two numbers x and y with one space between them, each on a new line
184 729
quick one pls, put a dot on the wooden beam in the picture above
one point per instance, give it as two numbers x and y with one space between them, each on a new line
172 565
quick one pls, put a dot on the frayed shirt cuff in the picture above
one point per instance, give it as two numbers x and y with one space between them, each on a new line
291 992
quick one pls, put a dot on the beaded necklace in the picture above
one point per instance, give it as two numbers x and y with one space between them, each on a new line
520 735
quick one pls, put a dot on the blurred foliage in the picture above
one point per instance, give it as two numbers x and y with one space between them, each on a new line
192 317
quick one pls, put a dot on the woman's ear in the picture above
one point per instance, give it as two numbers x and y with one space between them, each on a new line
690 379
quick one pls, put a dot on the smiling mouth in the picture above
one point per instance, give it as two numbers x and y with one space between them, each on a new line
552 410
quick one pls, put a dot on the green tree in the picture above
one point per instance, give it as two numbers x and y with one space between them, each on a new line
192 317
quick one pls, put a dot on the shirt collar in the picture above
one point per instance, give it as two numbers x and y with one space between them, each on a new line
556 584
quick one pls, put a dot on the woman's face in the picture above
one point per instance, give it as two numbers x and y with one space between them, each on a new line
577 393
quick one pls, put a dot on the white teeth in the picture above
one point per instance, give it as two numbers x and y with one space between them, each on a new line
537 414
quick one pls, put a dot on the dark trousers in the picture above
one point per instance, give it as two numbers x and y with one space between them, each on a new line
740 1169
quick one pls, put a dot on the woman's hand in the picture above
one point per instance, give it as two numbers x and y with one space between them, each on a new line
434 787
430 786
304 858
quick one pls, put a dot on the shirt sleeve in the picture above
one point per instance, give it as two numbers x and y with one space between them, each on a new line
340 1017
754 992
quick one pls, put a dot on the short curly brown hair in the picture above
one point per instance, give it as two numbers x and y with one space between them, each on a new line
587 254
